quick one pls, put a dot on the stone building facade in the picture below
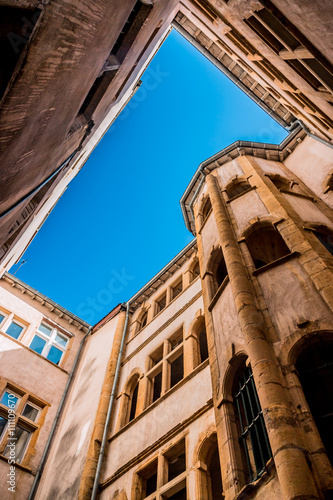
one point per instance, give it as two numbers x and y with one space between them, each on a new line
55 108
215 379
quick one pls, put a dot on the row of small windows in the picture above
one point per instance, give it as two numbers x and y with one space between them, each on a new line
168 295
314 368
165 369
47 340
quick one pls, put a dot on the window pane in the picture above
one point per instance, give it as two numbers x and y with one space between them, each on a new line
177 371
20 442
14 330
3 423
30 412
61 339
8 399
2 317
54 355
37 344
45 329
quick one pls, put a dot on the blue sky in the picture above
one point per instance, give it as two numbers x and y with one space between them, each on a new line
119 222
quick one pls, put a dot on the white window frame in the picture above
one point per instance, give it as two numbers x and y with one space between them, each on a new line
13 319
33 405
2 312
50 341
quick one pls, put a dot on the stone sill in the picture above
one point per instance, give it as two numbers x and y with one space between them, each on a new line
251 488
19 466
276 262
241 194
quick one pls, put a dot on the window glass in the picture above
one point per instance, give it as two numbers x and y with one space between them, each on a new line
61 339
20 439
54 355
45 329
3 423
30 412
8 399
14 330
37 344
2 317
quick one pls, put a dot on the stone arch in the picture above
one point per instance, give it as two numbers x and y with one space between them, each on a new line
264 242
204 210
216 270
196 347
130 395
237 185
208 471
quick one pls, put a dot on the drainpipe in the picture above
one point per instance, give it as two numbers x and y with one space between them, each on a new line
40 469
309 133
110 407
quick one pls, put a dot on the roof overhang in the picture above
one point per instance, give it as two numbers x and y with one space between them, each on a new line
276 152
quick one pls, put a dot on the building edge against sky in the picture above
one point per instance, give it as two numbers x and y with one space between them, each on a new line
231 325
273 53
240 336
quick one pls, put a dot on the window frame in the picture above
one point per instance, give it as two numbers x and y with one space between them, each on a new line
163 366
18 322
50 341
19 420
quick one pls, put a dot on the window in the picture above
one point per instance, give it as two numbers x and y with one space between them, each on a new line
168 466
196 270
203 347
19 416
325 236
2 317
237 187
206 209
144 320
315 370
129 401
280 182
285 40
161 303
210 483
134 401
177 288
117 55
251 426
216 271
166 366
49 343
15 329
266 245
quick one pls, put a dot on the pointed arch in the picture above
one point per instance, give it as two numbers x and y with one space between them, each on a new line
208 474
128 409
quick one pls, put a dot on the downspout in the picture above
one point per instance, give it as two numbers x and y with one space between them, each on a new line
309 133
33 490
110 407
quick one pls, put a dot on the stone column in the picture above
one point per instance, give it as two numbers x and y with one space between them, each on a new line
294 474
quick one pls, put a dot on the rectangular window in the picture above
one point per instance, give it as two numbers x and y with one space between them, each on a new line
285 40
148 479
177 288
49 343
161 303
23 422
176 460
15 329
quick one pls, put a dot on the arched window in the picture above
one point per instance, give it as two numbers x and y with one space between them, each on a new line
315 370
280 182
202 340
209 477
196 270
144 320
217 271
252 432
236 187
266 245
325 236
328 184
129 401
206 209
134 401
